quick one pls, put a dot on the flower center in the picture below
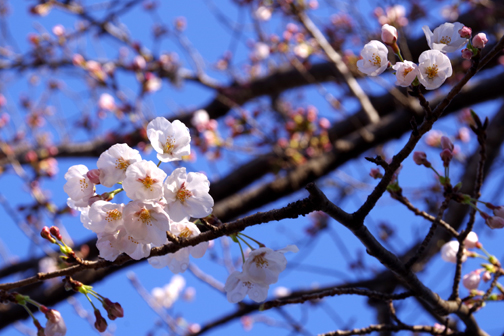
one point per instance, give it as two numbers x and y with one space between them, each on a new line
183 194
122 164
406 71
431 71
445 40
83 184
148 182
186 233
169 145
113 215
260 261
144 216
132 240
375 60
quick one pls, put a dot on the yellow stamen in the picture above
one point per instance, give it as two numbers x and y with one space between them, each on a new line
113 215
186 233
169 145
83 184
406 71
376 60
260 261
431 71
148 182
183 194
144 216
445 40
122 164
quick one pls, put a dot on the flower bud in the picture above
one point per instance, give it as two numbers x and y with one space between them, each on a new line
56 232
467 54
499 211
495 222
446 143
480 40
101 323
487 276
465 32
114 309
446 156
94 176
46 234
471 280
420 158
78 60
471 240
388 34
375 173
449 252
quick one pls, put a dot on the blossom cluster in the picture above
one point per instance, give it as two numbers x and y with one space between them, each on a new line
433 67
159 203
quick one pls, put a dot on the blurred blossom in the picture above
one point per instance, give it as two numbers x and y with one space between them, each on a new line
106 102
464 134
450 13
261 51
189 294
58 30
200 119
313 4
263 13
167 295
152 83
280 292
302 50
433 138
247 323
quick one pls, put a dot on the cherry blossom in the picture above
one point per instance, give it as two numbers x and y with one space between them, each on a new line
261 51
167 295
445 38
471 240
187 195
105 216
112 244
144 181
146 222
55 324
495 222
114 162
171 140
238 285
106 102
374 60
434 68
263 266
449 252
200 120
406 73
78 186
263 13
179 261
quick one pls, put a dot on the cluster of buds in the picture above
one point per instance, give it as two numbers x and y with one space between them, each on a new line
477 43
113 309
54 236
420 158
497 220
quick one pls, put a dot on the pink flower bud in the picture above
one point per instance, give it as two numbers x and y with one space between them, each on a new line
465 32
58 30
446 143
495 222
388 34
446 156
56 232
101 323
114 309
467 54
449 252
499 211
471 240
420 158
480 40
324 123
78 60
471 280
94 176
46 234
487 276
375 173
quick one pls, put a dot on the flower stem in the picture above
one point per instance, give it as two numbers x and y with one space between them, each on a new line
243 240
255 241
241 250
159 163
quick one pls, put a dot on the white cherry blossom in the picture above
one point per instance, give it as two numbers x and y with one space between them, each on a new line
129 245
146 222
433 69
374 58
144 181
263 266
78 186
405 73
471 280
105 246
446 37
238 285
105 216
171 140
114 162
167 295
179 261
187 195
